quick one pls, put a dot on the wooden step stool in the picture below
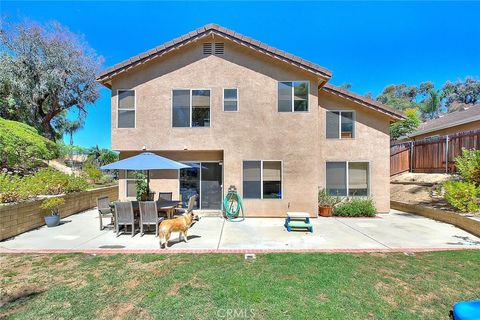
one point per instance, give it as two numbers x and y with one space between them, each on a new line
298 220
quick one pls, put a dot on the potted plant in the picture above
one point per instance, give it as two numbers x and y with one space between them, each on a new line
326 202
52 205
142 188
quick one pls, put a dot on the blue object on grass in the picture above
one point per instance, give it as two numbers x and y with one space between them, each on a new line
466 310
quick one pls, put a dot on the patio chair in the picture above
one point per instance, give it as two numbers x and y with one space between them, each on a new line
165 196
191 202
104 210
124 216
149 215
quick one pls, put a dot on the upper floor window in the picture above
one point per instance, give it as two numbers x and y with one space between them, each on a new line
293 96
126 109
191 108
230 99
340 125
262 179
348 178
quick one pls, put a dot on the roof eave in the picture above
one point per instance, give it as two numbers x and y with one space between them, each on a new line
445 126
371 104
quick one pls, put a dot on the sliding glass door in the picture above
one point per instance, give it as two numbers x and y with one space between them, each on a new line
204 179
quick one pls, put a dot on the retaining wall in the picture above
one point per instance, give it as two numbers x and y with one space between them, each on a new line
20 217
465 223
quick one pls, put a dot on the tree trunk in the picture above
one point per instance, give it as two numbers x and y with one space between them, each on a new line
48 131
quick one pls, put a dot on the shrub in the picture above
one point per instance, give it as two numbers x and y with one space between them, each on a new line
75 184
468 165
325 200
44 182
52 204
356 207
11 189
462 195
22 147
92 171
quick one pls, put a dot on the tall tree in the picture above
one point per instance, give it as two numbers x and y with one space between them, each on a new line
47 71
399 96
430 107
70 127
466 92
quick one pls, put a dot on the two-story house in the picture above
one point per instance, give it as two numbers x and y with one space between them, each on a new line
245 114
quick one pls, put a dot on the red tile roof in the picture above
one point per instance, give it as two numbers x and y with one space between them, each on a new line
205 31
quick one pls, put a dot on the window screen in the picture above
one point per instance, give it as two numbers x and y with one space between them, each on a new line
358 178
336 182
332 125
252 179
181 108
126 109
230 100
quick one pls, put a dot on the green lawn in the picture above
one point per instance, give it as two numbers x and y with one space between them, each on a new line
222 286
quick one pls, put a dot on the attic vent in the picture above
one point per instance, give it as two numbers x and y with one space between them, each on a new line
207 48
219 48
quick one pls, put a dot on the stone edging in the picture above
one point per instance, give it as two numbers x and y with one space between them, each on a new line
226 251
465 223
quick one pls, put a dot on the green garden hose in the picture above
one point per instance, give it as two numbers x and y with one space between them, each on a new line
232 205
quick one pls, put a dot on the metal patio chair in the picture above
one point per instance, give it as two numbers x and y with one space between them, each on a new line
124 216
104 211
165 196
149 215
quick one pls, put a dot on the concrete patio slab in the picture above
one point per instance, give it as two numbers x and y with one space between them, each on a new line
394 231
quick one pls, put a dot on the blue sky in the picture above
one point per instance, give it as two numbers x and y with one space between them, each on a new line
367 44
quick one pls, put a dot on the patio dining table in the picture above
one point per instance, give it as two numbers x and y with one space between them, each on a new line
167 206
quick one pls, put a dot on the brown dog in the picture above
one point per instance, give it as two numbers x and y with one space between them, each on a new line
180 224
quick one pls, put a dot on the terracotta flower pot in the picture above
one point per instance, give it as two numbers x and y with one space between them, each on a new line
325 211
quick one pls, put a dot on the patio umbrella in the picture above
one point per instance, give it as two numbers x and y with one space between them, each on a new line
145 161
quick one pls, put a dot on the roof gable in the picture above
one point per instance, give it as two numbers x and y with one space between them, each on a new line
206 31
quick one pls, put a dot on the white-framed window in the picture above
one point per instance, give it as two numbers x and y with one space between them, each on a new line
230 99
126 108
262 179
340 124
131 183
348 178
190 108
293 96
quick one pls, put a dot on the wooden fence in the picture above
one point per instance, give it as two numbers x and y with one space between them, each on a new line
432 155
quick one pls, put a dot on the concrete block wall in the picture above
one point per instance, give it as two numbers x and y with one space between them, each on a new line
21 217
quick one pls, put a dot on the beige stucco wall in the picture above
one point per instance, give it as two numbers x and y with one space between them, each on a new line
256 132
452 130
371 143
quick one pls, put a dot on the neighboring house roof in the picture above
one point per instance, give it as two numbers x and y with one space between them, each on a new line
364 101
449 120
205 31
